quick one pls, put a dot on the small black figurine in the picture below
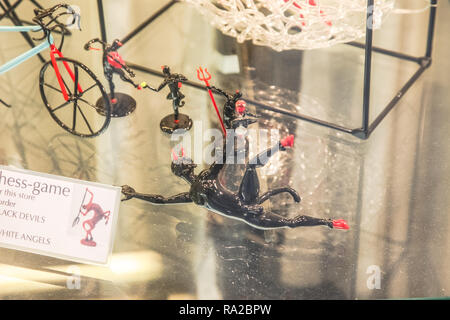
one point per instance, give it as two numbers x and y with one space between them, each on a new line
241 117
176 120
245 205
121 104
235 112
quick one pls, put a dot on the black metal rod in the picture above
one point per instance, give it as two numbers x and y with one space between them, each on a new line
387 52
8 11
396 99
253 102
431 27
144 24
101 16
15 19
37 4
4 9
367 66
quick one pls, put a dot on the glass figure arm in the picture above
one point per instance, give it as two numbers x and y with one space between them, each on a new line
130 193
220 91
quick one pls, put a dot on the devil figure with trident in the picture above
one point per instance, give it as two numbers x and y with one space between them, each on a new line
89 225
235 112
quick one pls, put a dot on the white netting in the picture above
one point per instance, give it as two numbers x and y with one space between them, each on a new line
293 24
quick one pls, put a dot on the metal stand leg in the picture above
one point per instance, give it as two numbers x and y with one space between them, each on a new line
101 16
424 63
367 69
431 27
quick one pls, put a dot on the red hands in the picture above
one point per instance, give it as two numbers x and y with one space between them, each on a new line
340 224
288 141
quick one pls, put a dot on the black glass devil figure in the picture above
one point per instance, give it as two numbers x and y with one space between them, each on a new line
207 191
177 120
121 104
235 113
235 116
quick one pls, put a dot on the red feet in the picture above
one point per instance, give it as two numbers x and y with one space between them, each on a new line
340 224
89 243
288 142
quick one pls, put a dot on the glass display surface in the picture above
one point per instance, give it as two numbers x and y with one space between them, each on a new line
392 188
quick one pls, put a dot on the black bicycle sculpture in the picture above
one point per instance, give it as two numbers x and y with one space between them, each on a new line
67 86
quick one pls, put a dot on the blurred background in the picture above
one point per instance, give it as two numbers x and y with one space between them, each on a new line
392 188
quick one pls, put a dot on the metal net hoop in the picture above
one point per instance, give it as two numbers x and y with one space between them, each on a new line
293 24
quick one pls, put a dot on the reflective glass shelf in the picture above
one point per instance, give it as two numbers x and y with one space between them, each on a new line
392 189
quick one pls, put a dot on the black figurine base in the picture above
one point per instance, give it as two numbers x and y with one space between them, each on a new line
123 106
168 124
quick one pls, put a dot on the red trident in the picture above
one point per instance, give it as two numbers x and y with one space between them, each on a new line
202 77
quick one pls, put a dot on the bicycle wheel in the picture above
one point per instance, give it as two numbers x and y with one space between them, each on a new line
78 115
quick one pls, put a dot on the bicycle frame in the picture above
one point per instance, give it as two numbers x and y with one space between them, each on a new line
36 50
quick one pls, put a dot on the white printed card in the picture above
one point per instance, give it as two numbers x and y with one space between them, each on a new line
57 216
